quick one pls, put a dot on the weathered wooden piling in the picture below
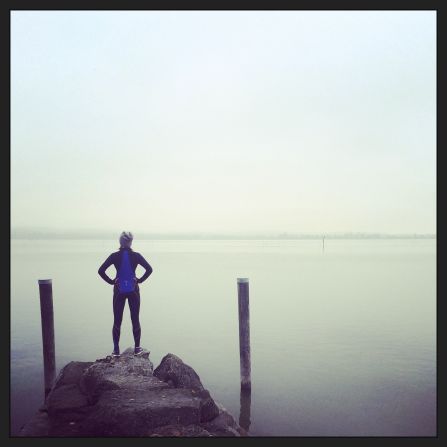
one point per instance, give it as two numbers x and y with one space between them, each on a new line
244 415
244 333
47 317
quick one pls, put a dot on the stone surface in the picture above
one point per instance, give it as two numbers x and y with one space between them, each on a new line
71 373
126 372
174 371
208 408
174 430
38 425
126 413
224 424
181 375
67 402
125 397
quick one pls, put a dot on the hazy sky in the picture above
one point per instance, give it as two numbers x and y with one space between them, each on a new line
224 121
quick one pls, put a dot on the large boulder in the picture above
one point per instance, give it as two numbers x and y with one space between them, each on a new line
66 401
126 413
224 424
181 375
71 373
125 372
174 371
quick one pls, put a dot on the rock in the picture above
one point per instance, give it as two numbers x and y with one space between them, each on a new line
191 430
180 374
71 373
125 397
39 425
208 408
224 424
126 413
67 402
174 371
126 371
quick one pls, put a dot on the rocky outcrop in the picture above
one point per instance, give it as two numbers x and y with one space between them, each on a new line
172 369
125 397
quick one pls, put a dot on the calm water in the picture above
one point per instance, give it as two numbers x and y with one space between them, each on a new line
343 342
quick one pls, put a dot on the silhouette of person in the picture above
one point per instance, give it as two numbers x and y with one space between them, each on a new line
132 293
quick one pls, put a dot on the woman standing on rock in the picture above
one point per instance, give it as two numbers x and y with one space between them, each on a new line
125 285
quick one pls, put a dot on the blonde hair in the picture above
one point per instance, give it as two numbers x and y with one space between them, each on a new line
126 239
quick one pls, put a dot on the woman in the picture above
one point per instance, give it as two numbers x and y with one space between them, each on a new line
125 285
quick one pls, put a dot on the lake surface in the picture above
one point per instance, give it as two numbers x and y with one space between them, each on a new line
343 342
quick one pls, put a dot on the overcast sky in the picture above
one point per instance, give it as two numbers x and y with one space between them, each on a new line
224 121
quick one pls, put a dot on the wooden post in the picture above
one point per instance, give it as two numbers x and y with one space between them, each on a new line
46 313
244 415
244 333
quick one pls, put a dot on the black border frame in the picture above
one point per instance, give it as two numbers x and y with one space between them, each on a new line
302 5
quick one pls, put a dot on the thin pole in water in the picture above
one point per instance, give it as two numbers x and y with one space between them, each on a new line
244 415
47 317
244 333
323 243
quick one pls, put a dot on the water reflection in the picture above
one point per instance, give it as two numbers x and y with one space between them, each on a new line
244 416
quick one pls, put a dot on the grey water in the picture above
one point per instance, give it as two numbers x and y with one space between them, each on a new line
343 341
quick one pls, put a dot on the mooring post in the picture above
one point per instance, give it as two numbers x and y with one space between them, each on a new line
47 317
244 333
244 415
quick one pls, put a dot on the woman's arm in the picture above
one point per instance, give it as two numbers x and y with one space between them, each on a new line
102 270
147 266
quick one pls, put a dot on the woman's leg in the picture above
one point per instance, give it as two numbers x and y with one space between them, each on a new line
118 309
134 306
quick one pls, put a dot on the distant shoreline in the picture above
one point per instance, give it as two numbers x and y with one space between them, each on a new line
29 235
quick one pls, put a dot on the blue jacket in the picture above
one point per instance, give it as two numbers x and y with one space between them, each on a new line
115 259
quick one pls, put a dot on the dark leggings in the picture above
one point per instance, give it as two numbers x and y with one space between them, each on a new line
119 301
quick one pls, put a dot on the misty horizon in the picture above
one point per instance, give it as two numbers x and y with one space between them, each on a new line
30 232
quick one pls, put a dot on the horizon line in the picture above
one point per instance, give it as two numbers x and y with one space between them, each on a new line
39 233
